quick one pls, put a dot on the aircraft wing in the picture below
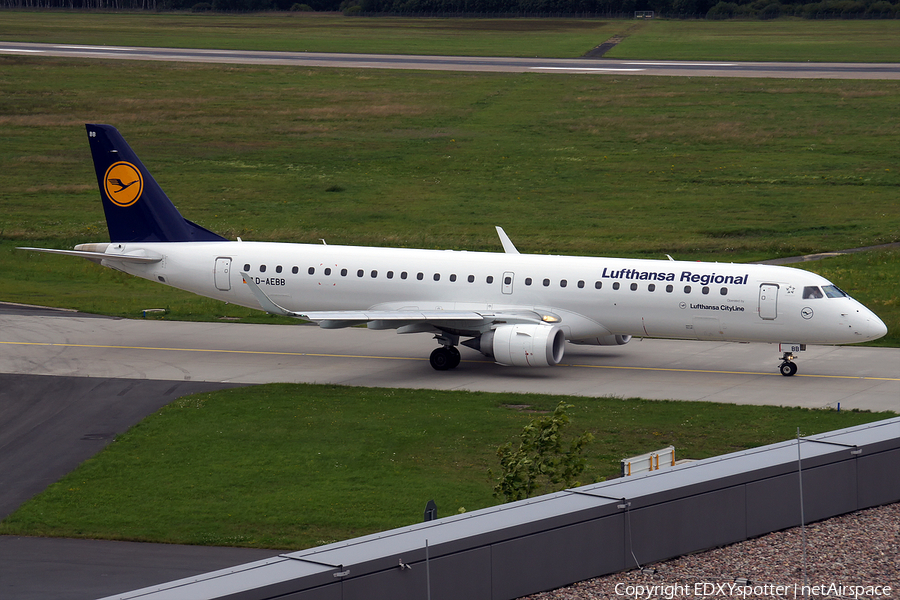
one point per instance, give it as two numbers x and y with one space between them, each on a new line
392 319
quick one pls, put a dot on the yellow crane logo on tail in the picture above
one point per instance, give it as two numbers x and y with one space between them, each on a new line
123 184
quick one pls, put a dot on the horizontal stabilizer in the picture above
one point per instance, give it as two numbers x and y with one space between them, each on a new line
98 256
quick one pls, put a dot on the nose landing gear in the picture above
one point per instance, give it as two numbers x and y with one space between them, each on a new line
788 367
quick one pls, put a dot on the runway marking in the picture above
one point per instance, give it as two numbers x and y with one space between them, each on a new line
680 64
862 377
580 69
211 350
417 358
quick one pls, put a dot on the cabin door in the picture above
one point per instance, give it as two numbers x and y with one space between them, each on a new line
223 273
768 301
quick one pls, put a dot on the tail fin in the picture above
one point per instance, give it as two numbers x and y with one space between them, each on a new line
136 208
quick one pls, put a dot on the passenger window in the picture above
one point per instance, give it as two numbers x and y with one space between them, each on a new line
705 289
403 275
278 269
453 277
490 279
615 285
390 274
580 284
437 276
724 291
507 280
343 272
246 267
598 285
311 270
528 281
360 273
669 288
420 276
262 268
295 270
546 282
563 283
651 287
633 287
471 279
687 289
374 274
327 271
812 291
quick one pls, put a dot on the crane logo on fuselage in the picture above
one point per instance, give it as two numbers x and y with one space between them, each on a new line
123 184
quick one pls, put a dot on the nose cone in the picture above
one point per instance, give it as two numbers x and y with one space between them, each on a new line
879 329
870 326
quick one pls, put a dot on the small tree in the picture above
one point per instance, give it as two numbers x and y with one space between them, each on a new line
540 461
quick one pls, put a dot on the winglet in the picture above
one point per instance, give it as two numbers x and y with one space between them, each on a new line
265 302
508 246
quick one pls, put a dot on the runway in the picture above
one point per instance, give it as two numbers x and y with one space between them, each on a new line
782 70
66 344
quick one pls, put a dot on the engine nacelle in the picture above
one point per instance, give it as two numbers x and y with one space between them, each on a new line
524 345
607 340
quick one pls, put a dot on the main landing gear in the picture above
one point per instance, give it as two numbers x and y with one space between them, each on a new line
447 356
788 367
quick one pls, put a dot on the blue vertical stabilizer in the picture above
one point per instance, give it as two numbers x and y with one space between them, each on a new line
136 208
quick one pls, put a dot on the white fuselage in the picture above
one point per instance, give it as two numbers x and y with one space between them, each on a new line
594 297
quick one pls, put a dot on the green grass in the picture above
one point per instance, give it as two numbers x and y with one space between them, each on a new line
786 40
314 33
293 466
710 169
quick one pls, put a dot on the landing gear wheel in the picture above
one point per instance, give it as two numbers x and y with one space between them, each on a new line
454 352
788 368
444 358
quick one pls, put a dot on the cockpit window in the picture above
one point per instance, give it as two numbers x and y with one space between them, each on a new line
833 291
812 291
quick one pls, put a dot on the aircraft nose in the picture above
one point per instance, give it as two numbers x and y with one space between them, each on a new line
871 327
878 327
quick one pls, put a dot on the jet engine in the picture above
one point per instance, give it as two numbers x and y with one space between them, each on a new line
522 345
607 340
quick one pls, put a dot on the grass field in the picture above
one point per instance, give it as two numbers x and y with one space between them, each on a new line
293 466
786 39
715 169
300 32
791 40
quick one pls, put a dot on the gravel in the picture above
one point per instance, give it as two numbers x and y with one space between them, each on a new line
852 556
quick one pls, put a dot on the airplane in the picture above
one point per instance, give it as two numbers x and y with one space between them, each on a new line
518 309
